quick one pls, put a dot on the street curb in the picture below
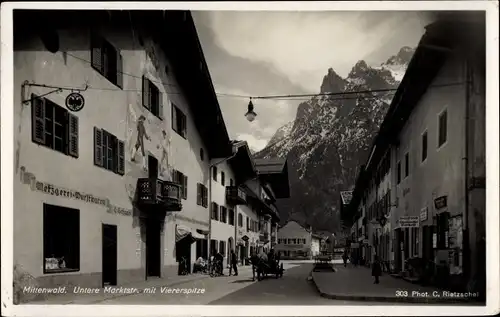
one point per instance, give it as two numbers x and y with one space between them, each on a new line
436 300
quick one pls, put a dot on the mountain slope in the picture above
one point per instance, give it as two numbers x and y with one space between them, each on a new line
330 138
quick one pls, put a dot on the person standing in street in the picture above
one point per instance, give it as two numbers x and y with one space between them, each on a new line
254 259
376 269
234 262
344 257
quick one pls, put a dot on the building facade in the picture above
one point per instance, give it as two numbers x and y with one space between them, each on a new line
114 191
433 200
223 214
295 241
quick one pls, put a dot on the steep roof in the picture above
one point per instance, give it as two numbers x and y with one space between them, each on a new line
275 172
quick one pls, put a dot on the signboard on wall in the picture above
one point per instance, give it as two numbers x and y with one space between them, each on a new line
409 221
423 214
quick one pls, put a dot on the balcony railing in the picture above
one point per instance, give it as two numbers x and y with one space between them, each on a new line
158 193
235 195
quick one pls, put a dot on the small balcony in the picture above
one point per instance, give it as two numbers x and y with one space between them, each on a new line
160 194
235 196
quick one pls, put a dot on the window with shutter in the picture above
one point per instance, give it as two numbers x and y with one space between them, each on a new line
222 178
109 151
214 173
106 60
215 211
54 127
178 121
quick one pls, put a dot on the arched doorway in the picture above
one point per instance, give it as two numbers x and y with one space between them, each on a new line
230 247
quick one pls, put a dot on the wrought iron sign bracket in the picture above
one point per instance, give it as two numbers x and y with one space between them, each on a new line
55 90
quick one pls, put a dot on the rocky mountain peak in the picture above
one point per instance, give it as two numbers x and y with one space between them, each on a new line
330 139
332 82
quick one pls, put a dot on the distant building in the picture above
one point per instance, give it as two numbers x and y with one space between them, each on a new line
423 188
297 242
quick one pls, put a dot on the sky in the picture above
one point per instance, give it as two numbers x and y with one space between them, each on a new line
281 53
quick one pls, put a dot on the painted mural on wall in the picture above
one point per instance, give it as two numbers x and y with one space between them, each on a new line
146 134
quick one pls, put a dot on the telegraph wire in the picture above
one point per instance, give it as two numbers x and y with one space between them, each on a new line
269 97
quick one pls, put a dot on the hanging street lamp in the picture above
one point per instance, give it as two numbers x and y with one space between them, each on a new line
250 115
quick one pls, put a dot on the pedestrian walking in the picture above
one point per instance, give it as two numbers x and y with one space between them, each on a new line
234 262
376 269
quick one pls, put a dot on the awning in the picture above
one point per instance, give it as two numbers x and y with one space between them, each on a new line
182 232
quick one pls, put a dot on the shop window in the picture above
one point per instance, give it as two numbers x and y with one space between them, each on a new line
61 239
53 126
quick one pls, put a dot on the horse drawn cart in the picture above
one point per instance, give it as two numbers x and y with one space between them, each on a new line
265 268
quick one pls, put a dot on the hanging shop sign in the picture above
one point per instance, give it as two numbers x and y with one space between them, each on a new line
441 202
423 214
409 221
75 101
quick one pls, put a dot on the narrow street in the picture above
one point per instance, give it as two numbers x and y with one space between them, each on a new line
292 289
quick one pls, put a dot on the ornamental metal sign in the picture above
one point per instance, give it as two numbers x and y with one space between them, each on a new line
75 101
441 202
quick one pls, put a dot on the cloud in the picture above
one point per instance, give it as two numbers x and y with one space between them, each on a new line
271 115
303 45
254 143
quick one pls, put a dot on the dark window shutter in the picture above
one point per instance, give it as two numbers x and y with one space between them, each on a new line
72 135
221 213
119 70
121 158
184 126
205 196
96 52
199 197
185 186
98 154
38 119
160 104
145 93
174 118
